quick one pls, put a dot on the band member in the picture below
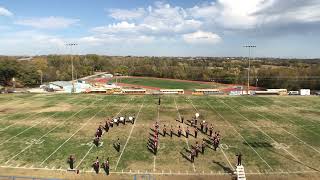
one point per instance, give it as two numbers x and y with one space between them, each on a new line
156 125
192 123
195 121
179 131
195 132
216 143
192 154
106 166
118 145
187 132
171 131
182 118
71 161
133 119
116 120
197 148
111 123
210 130
203 145
96 165
106 126
156 133
96 141
239 159
206 128
155 146
201 126
164 130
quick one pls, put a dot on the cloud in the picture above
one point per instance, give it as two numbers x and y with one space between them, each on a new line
48 22
160 20
246 15
120 27
123 14
5 12
201 37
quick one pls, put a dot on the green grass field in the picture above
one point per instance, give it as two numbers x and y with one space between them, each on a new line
275 134
164 83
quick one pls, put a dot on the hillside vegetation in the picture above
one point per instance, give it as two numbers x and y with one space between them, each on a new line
271 73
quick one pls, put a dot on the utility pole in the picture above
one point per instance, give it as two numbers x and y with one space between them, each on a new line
72 67
249 56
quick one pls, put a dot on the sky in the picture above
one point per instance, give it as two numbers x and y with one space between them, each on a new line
278 28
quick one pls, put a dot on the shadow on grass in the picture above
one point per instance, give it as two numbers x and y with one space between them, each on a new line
225 169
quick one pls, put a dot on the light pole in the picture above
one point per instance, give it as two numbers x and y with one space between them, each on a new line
72 45
249 48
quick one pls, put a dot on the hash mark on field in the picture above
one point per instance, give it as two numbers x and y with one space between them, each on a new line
129 134
187 142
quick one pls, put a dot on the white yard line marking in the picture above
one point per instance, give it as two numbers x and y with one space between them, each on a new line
221 148
123 107
14 156
27 128
282 128
283 117
239 134
187 142
192 104
129 134
311 120
29 116
72 135
260 130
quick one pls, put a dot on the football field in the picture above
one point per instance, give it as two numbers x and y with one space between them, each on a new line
275 135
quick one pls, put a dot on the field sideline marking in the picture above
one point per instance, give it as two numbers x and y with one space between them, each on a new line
129 134
53 128
281 127
239 135
72 135
169 173
102 133
264 133
187 141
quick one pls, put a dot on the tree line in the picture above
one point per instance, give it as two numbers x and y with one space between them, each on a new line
292 74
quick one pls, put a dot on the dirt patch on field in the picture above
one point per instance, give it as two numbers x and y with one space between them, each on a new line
58 107
6 110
